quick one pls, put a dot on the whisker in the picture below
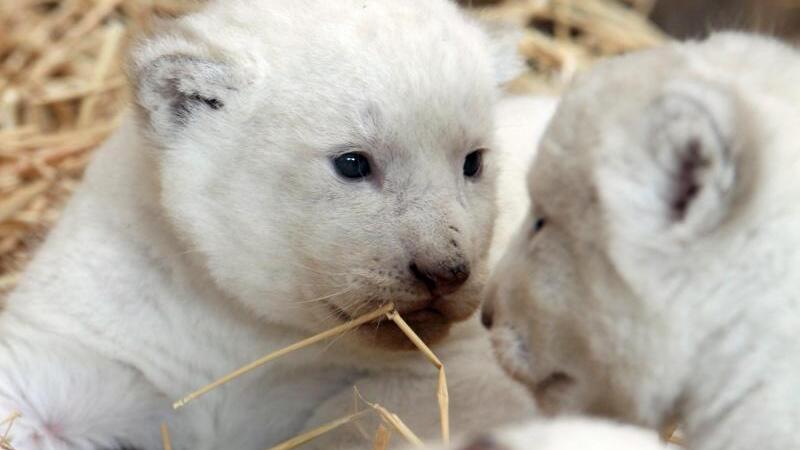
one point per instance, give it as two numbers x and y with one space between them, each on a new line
325 297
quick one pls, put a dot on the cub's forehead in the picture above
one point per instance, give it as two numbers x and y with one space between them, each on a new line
356 44
415 64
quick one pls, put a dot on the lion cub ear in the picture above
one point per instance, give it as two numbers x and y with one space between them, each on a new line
676 176
503 40
177 83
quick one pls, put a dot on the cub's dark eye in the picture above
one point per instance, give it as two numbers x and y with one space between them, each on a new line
352 165
538 224
473 163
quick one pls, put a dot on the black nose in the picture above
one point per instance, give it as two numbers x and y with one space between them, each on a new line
487 315
442 279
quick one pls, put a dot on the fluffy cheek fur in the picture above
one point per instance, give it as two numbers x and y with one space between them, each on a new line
230 214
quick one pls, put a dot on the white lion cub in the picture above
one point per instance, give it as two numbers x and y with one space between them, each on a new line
657 277
293 164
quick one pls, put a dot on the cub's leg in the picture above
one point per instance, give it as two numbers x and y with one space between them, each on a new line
70 398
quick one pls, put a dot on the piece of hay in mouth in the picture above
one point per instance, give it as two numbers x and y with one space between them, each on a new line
285 351
442 394
390 313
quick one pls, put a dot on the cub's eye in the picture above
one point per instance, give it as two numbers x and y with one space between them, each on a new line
538 224
473 163
352 165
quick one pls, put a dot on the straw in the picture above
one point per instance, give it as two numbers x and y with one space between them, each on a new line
442 394
62 92
108 52
392 419
165 439
382 437
317 432
386 415
9 421
284 351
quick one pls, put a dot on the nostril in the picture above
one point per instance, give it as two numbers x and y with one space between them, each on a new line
459 273
487 316
424 277
442 279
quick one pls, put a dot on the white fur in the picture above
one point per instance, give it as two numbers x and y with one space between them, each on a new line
204 237
644 299
569 433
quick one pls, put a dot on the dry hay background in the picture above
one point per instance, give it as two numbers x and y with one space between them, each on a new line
62 87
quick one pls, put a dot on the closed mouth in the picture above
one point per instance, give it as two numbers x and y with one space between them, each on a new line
424 315
428 322
425 312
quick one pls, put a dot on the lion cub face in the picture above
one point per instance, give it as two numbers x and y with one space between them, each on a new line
328 160
648 231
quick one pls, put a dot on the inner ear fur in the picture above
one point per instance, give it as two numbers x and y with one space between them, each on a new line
172 88
692 136
675 165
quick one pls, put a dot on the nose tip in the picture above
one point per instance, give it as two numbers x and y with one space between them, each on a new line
443 280
487 315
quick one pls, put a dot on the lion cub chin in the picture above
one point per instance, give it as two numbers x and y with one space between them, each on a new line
291 165
657 277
